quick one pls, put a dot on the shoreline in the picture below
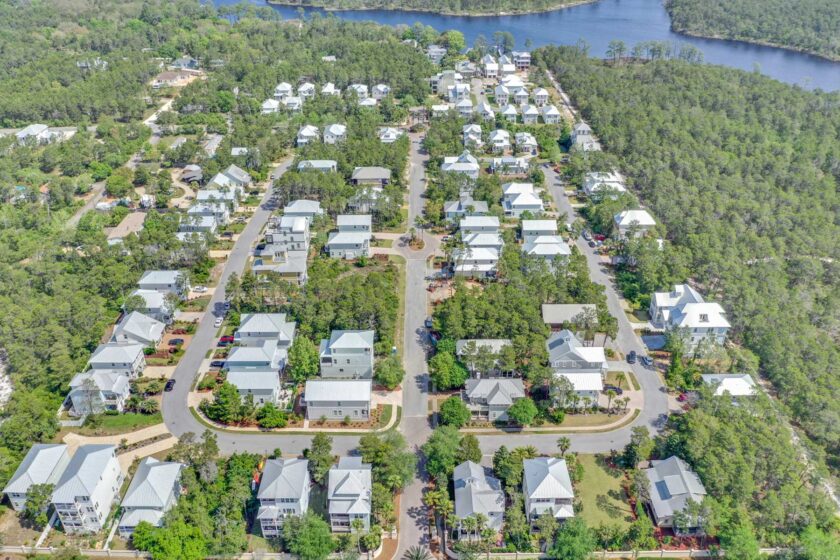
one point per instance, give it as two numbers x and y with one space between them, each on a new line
563 6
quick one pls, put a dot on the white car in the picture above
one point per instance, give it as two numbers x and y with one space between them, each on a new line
200 289
218 322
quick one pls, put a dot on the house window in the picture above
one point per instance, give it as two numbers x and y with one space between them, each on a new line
704 318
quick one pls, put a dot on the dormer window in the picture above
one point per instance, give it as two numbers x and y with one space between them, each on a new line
704 318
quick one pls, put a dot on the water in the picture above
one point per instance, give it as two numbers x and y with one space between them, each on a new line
632 21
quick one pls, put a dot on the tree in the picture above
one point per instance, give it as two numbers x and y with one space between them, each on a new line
517 530
522 412
393 464
176 540
390 372
739 542
639 448
269 416
320 457
303 360
308 536
817 545
417 553
446 372
441 451
547 526
616 50
226 406
574 541
454 41
453 412
563 444
38 498
468 450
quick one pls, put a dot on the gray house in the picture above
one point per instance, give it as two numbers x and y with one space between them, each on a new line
583 366
671 485
489 399
87 489
283 492
172 281
256 328
153 491
558 315
337 399
547 488
44 464
95 391
376 176
352 240
155 305
135 327
349 494
477 493
124 358
347 354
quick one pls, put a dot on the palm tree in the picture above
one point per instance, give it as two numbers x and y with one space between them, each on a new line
620 378
417 553
610 396
564 443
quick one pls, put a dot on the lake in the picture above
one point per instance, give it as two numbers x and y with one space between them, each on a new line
632 21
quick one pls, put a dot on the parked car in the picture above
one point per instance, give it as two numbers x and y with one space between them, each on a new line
217 363
169 385
227 338
179 331
227 305
218 322
176 341
631 357
599 237
200 289
428 322
593 244
617 390
682 398
226 234
445 238
224 343
586 235
647 361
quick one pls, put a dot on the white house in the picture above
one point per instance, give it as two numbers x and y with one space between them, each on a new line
349 489
257 328
167 281
732 384
559 315
291 231
599 181
472 135
583 366
466 163
639 222
219 211
490 398
321 165
330 89
283 492
464 107
293 103
582 138
306 90
389 135
44 463
485 111
509 113
262 387
347 355
138 328
155 305
547 488
337 399
474 224
381 91
95 391
464 206
506 65
127 358
540 97
352 240
270 106
521 59
87 489
303 208
335 133
530 114
518 198
307 134
685 309
282 91
435 53
478 262
477 493
550 114
458 92
526 143
153 491
361 90
671 486
520 97
490 68
502 94
499 140
440 110
540 239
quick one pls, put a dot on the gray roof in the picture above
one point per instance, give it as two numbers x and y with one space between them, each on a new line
371 173
44 463
351 339
83 473
353 220
160 277
476 491
284 478
346 390
252 380
238 174
303 207
317 164
152 484
496 391
672 484
547 477
138 326
116 353
557 313
103 380
268 323
461 205
349 486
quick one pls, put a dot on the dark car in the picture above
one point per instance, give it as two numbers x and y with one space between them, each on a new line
176 341
593 244
613 388
223 343
169 385
647 361
217 363
631 357
428 322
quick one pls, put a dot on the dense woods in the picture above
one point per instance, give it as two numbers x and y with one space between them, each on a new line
440 6
808 25
743 172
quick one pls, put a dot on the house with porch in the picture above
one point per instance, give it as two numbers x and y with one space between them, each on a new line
477 493
347 355
584 367
547 488
349 488
283 492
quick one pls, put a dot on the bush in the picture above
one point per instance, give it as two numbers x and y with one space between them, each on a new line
269 416
453 412
389 372
206 384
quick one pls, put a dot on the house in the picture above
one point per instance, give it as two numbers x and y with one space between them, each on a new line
337 399
171 78
520 97
671 486
153 491
489 399
530 114
194 223
293 104
486 112
282 91
35 133
335 133
478 262
219 211
732 384
464 107
389 135
233 178
550 114
561 315
322 165
96 390
440 110
547 488
184 63
306 90
167 281
436 53
502 95
526 143
127 358
379 176
291 231
192 174
347 355
87 489
499 140
44 463
477 493
270 106
352 240
533 229
464 206
303 208
483 240
518 198
257 328
349 490
155 305
685 309
472 135
540 97
509 113
265 355
521 59
513 83
381 91
466 163
506 66
283 492
278 259
637 222
509 165
442 82
472 351
140 329
366 199
582 138
473 224
466 68
213 195
261 386
490 68
307 134
548 248
330 89
612 182
361 90
583 366
458 92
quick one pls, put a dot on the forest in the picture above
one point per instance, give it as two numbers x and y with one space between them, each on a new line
472 7
806 25
746 188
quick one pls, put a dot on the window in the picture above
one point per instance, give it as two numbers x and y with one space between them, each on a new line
704 318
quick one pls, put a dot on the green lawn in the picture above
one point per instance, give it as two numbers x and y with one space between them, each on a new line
612 379
121 423
385 417
601 494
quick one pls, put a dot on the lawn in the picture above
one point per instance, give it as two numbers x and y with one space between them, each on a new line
120 424
385 417
602 498
612 379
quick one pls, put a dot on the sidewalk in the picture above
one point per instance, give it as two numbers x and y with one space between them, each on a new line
628 416
74 440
